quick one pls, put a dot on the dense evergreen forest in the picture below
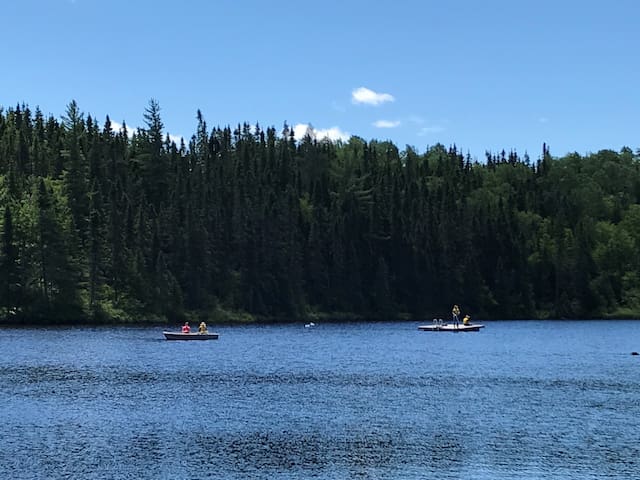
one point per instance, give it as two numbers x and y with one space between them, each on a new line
246 223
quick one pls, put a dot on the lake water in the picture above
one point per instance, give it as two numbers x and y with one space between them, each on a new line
517 400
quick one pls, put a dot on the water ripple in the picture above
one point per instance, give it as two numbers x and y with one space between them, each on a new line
349 401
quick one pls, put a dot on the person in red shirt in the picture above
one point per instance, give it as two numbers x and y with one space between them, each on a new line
186 328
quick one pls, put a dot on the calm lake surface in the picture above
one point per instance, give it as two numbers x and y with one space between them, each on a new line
518 400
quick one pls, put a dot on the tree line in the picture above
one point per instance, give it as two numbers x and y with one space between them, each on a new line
249 223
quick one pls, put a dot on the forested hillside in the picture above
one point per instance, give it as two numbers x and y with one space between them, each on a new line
103 225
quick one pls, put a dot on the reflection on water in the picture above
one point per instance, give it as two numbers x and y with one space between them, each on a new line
554 400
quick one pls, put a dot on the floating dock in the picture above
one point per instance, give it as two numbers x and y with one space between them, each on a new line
450 327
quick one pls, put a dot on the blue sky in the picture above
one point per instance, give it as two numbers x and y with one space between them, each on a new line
484 75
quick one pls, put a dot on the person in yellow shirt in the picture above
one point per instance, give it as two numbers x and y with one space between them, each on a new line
466 320
202 328
455 312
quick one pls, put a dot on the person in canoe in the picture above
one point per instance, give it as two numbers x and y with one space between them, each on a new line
455 312
202 328
466 320
186 328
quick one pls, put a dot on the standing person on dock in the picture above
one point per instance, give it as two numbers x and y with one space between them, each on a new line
455 312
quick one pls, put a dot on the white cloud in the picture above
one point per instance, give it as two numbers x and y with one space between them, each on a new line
432 129
386 123
301 129
333 133
175 139
369 97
